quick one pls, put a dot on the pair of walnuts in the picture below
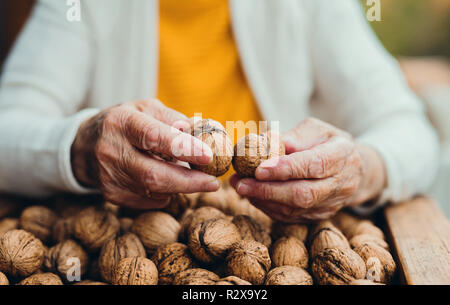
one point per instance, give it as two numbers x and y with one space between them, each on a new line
248 153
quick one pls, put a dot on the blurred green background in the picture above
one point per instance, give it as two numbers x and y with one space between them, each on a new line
414 27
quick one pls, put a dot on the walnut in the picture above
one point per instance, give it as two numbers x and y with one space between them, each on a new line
232 280
39 221
299 231
251 150
21 254
3 279
196 276
63 229
93 226
289 251
250 261
223 199
337 266
125 224
288 275
379 262
170 260
364 227
58 258
8 224
252 230
209 240
244 207
90 283
156 229
111 207
42 279
358 240
363 282
343 221
127 245
190 219
135 271
326 235
215 136
178 204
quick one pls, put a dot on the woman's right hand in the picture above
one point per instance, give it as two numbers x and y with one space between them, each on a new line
115 151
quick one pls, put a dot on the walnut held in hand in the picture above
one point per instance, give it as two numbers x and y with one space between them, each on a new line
215 136
39 221
135 271
21 254
59 258
42 279
196 276
289 251
251 150
288 275
379 262
250 261
127 245
252 230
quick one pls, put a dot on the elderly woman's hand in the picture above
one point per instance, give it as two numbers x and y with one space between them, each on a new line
116 151
323 171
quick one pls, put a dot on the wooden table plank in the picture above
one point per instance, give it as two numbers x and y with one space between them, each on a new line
420 236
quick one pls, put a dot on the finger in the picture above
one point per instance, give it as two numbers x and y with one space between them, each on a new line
161 112
131 200
322 161
273 210
149 134
297 193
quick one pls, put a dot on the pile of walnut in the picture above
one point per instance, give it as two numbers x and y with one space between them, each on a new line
205 239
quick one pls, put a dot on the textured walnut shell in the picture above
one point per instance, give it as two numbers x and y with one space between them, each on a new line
39 221
337 266
251 150
288 275
21 254
343 221
90 283
223 199
250 261
361 239
364 227
42 279
232 280
8 224
58 258
196 276
94 226
3 279
170 260
363 282
299 231
215 136
63 229
191 219
210 240
379 262
125 224
178 204
250 229
127 245
244 207
156 229
135 271
289 251
325 236
111 207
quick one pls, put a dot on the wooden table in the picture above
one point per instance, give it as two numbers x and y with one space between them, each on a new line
419 235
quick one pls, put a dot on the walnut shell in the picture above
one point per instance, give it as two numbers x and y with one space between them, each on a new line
289 251
251 150
215 136
223 199
170 260
338 266
363 282
63 229
156 229
327 236
250 261
3 279
21 254
361 239
58 258
379 262
364 227
93 226
244 207
196 276
135 271
8 224
178 204
191 219
343 221
232 280
90 283
42 279
39 221
209 240
288 275
252 230
299 231
127 245
111 207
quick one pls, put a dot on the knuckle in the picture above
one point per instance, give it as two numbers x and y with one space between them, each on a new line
151 136
303 196
266 192
318 166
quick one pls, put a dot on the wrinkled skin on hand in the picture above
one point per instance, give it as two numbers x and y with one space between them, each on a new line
323 171
117 152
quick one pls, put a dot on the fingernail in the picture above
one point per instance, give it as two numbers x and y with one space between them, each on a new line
269 163
243 188
213 185
262 173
